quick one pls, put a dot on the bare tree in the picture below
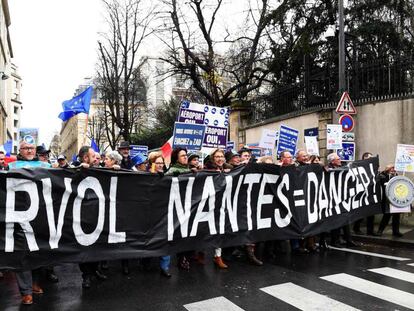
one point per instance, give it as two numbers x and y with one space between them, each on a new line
239 67
97 128
119 82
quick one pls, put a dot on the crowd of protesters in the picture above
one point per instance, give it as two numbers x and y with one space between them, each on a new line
184 163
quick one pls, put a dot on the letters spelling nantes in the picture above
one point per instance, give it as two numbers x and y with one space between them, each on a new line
45 210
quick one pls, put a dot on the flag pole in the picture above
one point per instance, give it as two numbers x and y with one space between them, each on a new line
86 130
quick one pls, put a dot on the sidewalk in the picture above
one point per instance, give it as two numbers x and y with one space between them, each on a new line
407 240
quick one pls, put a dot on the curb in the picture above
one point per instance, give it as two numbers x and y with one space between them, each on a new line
397 242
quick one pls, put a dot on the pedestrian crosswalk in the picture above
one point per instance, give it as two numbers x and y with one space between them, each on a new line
395 273
383 292
305 298
349 250
214 304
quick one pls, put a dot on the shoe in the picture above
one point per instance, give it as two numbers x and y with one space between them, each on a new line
336 244
351 244
166 273
100 275
323 246
52 277
252 257
27 299
397 234
300 251
36 289
200 258
86 283
373 234
183 263
219 263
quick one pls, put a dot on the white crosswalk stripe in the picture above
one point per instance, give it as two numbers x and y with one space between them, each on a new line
395 273
383 292
304 299
411 264
369 253
218 303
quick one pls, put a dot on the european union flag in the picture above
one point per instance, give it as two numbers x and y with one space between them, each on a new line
77 104
8 146
94 146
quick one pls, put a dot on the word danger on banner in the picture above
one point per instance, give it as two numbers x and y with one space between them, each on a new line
269 202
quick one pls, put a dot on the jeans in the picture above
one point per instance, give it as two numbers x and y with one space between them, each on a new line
165 262
25 281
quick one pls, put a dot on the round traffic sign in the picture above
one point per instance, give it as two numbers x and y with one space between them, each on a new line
347 123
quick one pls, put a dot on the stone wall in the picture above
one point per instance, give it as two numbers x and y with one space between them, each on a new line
379 127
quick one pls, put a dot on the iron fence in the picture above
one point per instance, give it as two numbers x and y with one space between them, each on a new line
382 79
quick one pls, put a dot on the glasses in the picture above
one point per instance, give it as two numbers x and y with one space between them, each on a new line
27 148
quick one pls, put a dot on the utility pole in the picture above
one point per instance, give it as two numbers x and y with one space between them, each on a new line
341 63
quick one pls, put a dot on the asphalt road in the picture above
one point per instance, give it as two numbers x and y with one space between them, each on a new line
333 280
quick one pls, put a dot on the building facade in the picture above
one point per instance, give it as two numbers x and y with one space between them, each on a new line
6 54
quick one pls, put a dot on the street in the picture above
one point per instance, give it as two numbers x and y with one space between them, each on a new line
366 278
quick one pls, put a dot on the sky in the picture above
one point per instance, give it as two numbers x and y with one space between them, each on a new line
55 47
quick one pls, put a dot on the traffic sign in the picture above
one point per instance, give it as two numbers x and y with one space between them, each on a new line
347 123
345 105
347 153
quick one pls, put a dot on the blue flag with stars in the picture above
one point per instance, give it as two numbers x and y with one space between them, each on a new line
94 146
77 104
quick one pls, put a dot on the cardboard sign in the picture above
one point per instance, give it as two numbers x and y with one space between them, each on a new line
288 138
312 146
333 136
404 159
268 139
188 135
136 149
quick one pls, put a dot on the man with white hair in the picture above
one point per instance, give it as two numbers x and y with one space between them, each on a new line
26 158
334 161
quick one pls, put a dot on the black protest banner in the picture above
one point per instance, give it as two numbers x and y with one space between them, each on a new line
51 216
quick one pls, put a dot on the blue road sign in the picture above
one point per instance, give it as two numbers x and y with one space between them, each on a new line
347 123
347 153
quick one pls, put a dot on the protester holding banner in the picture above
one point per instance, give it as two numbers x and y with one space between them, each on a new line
3 166
370 220
245 155
86 157
384 177
314 159
334 162
27 280
215 164
179 165
156 162
43 154
232 159
302 159
194 162
179 162
123 149
157 166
